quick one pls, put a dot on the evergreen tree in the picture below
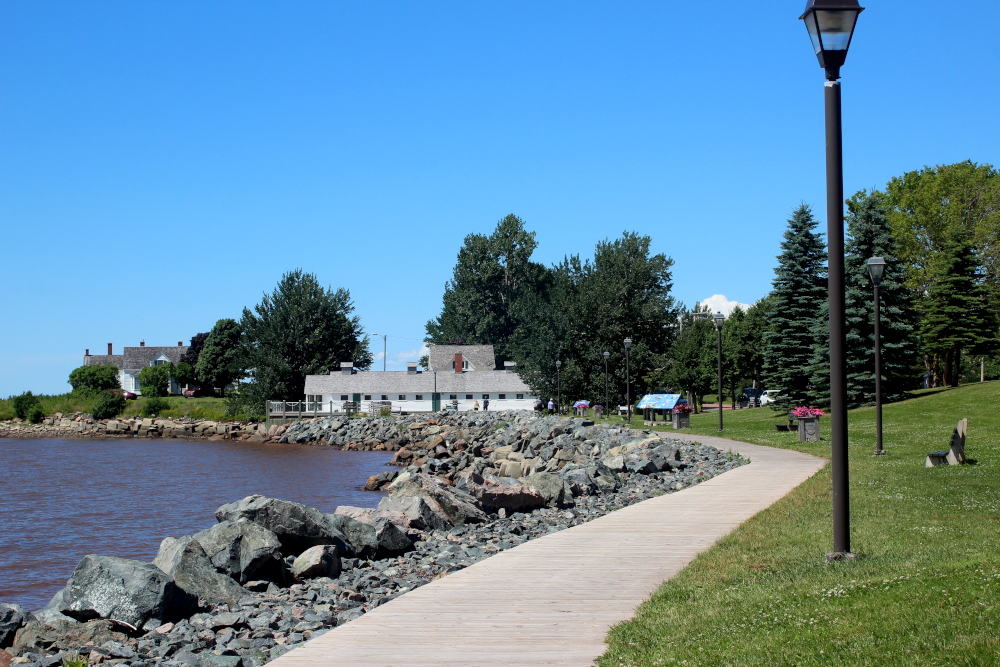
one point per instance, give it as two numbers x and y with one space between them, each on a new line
869 235
800 289
219 361
299 329
956 313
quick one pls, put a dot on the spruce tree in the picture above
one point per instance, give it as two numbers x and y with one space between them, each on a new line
797 301
869 235
956 315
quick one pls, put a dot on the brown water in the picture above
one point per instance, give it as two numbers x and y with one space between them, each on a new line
63 499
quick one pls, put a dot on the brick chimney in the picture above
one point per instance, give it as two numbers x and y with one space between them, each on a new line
180 343
87 353
458 362
109 350
142 343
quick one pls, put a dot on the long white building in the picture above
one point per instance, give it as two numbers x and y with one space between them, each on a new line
465 374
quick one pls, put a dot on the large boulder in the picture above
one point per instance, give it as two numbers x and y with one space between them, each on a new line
553 488
130 591
665 457
243 550
494 495
297 526
12 618
45 637
458 505
423 512
370 515
319 561
185 560
373 541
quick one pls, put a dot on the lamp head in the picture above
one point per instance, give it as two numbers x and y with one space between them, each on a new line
876 267
558 364
607 354
719 319
628 343
830 24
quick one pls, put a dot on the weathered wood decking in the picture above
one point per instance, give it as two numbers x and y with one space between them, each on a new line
552 600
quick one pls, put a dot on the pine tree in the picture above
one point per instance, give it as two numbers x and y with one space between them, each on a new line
869 235
956 315
800 290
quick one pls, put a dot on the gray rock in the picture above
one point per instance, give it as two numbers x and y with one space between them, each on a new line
616 463
665 457
243 550
423 513
185 560
493 495
319 561
553 488
130 591
640 465
209 659
373 541
12 618
459 506
298 527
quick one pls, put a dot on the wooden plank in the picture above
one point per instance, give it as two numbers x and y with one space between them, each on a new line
552 600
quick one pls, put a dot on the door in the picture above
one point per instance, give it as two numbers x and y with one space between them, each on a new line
435 402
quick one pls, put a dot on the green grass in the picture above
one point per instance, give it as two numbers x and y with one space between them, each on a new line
923 591
196 408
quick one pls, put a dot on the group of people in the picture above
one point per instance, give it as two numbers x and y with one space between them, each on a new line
540 406
486 405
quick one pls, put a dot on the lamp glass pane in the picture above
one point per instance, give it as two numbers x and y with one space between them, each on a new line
813 29
835 27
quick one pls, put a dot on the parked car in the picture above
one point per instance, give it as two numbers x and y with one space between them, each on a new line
129 395
196 392
769 396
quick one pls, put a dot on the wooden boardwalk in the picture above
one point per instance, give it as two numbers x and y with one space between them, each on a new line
552 600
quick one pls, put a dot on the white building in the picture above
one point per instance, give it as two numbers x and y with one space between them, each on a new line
131 363
462 374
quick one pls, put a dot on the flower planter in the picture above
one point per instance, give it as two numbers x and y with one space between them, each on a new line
809 429
682 420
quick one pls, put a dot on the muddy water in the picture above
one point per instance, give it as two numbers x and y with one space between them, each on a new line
63 499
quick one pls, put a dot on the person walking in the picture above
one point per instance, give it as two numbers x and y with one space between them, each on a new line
486 404
475 406
552 406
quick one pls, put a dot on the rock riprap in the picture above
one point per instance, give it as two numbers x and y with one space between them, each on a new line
272 573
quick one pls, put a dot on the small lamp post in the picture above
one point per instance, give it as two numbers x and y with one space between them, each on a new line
876 267
558 388
830 24
719 320
606 355
628 379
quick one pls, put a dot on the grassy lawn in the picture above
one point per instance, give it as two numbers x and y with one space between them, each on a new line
923 591
196 408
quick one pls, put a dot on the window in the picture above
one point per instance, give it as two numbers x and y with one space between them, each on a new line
520 396
468 397
418 397
402 397
385 397
486 396
343 397
452 397
502 396
465 365
368 397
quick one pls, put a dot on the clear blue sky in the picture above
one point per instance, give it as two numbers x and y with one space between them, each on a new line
163 163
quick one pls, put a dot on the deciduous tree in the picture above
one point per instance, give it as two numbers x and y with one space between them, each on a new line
96 378
220 360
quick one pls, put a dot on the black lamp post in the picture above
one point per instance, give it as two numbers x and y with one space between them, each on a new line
876 267
628 379
384 337
831 25
558 388
606 355
719 319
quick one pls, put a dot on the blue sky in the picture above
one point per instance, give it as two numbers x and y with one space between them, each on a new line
163 163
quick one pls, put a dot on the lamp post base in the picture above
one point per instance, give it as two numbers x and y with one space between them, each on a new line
840 555
879 452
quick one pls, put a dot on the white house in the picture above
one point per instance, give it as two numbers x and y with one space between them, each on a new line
135 359
462 374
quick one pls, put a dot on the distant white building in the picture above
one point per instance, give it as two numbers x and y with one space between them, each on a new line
465 374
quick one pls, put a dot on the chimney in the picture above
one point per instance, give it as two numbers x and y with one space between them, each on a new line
458 362
109 350
509 366
87 353
142 343
347 367
180 343
411 367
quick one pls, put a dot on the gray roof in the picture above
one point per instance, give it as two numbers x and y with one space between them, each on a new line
140 357
117 360
481 357
402 382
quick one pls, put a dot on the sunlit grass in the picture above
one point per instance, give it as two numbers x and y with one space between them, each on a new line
922 592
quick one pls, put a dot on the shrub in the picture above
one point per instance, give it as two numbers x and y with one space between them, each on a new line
385 412
94 378
109 405
241 406
155 380
27 406
153 406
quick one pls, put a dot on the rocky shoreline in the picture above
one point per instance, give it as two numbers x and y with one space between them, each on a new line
271 574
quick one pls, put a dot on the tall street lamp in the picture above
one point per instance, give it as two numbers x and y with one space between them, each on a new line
719 319
830 24
628 379
876 267
384 337
606 355
558 387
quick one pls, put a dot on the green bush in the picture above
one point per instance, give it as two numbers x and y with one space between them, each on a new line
27 406
155 380
241 406
153 406
109 404
94 378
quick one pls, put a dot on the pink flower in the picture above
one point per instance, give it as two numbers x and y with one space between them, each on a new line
804 411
